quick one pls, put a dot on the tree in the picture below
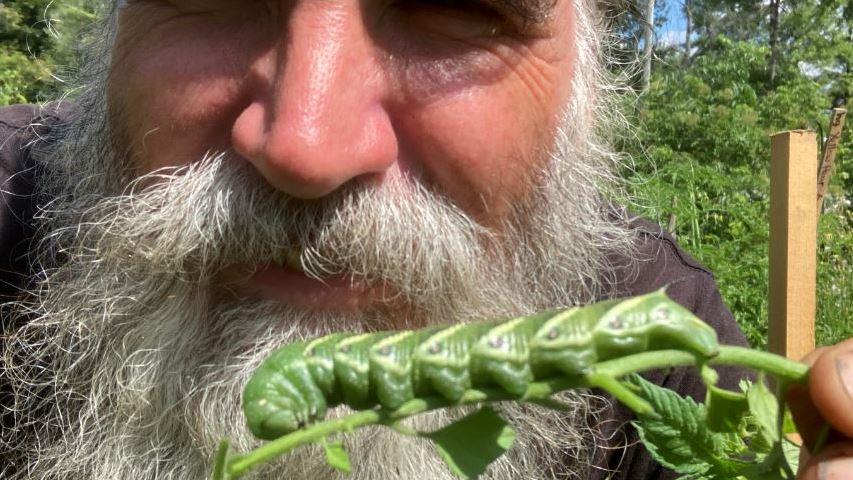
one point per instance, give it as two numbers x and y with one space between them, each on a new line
37 39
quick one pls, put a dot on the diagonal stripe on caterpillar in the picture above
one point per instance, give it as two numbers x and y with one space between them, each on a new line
300 381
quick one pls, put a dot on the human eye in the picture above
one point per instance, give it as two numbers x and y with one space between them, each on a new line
453 18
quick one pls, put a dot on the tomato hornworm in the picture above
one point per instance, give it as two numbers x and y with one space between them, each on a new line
300 381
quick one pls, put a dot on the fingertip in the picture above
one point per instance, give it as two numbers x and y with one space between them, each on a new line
831 386
834 463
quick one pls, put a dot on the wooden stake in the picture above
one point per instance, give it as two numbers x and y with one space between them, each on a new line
793 243
672 220
836 123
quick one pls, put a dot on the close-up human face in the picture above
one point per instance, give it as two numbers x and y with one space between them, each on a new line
246 174
461 97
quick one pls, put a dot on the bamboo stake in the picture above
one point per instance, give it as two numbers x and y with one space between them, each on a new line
673 222
827 165
793 243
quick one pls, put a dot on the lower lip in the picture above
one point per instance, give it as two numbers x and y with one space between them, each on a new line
292 287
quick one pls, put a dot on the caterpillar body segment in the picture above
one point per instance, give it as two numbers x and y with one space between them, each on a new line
565 343
352 368
502 355
395 369
297 384
444 359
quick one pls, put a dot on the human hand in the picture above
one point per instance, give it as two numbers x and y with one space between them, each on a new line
827 399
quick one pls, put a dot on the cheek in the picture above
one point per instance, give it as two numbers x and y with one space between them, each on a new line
174 89
482 148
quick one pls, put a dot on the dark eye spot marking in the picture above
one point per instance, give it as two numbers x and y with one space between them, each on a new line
616 323
345 349
385 350
552 334
496 342
661 314
435 348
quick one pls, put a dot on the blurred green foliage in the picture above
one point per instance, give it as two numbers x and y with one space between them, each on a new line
702 153
38 39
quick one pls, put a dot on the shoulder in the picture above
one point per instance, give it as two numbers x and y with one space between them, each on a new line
14 124
21 128
659 261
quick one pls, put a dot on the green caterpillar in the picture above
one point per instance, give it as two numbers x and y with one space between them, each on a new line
299 381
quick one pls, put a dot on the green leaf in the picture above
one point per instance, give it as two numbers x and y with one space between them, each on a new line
788 426
764 409
677 437
725 409
336 456
791 452
472 443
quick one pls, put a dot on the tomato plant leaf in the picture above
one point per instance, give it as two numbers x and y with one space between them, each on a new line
471 444
788 425
764 409
677 436
336 456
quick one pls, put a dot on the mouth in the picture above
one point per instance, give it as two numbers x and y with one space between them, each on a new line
286 281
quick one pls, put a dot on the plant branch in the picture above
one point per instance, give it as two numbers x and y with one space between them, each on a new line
780 367
241 464
601 374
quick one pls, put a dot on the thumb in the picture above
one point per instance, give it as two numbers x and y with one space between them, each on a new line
831 386
828 396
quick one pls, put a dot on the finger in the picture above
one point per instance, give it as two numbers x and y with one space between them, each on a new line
834 463
831 386
825 397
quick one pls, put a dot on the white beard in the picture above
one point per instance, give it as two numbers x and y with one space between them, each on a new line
133 360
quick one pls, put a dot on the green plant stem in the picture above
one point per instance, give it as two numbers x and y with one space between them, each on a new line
241 464
221 460
782 368
787 370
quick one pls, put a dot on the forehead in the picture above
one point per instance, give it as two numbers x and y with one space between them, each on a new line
532 11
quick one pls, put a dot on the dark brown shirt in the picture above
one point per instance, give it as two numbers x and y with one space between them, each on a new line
662 262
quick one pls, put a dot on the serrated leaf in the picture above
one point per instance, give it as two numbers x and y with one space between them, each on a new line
791 452
471 444
725 410
764 409
337 457
677 436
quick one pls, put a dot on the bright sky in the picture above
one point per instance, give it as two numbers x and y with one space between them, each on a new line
673 30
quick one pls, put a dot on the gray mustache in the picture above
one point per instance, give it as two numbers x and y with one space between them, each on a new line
218 212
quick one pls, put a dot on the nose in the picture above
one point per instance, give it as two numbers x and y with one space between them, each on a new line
316 119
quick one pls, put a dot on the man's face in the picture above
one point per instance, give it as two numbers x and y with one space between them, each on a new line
462 96
431 161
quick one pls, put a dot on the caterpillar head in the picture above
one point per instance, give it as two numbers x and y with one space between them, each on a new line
271 402
655 321
269 419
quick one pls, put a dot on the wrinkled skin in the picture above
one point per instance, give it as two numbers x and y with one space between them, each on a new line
826 399
318 94
321 94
